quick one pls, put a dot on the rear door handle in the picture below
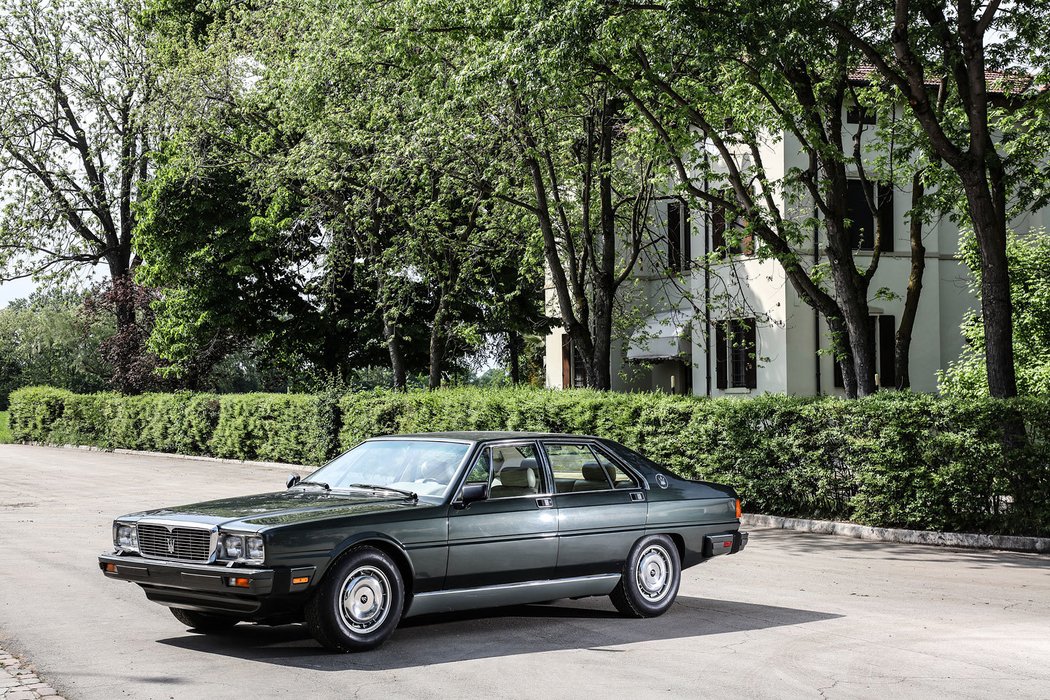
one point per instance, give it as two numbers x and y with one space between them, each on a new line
637 496
544 502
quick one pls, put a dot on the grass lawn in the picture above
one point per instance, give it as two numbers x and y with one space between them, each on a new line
5 432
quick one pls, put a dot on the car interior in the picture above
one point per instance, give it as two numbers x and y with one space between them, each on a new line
576 468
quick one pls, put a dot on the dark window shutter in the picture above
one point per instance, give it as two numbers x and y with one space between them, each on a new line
566 361
886 216
887 342
687 243
873 332
862 228
721 373
837 374
674 236
718 229
751 343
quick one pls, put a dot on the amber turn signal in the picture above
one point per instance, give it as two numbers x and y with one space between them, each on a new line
738 511
111 568
241 582
300 580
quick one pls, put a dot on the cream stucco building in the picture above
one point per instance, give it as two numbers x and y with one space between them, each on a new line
673 342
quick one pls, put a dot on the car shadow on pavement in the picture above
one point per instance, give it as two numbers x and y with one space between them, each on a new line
527 629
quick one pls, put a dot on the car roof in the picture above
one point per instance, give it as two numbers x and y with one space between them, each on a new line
485 436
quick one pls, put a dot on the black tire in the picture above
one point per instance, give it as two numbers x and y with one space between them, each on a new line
650 580
370 578
203 622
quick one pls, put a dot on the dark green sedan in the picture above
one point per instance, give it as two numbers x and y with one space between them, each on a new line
415 524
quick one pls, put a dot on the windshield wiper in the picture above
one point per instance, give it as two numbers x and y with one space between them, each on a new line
322 484
407 494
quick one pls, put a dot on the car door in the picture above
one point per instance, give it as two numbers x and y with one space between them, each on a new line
601 508
511 536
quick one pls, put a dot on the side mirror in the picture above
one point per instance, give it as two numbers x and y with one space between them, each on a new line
292 480
472 493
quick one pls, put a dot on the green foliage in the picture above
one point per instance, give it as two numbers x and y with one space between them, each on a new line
49 340
5 430
892 460
1028 257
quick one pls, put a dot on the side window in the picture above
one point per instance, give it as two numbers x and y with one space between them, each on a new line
511 470
479 473
621 480
579 468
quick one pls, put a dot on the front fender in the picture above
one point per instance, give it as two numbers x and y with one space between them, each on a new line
382 541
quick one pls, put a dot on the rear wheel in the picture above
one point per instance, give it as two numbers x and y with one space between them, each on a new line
359 604
203 622
650 580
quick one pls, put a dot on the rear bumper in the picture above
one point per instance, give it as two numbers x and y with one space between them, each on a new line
209 587
725 543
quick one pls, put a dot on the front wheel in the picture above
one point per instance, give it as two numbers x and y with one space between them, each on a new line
359 604
203 622
650 580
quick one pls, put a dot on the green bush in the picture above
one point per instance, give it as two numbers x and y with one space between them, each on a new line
5 431
892 460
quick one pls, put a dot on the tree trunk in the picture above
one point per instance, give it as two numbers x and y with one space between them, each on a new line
437 343
851 289
902 343
604 285
514 349
392 336
996 306
841 347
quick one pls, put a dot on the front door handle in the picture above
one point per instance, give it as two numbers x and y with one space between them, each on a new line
544 502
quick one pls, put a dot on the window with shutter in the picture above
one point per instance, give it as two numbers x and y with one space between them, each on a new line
674 236
727 230
861 224
736 354
886 217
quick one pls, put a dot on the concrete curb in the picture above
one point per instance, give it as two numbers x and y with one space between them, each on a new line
961 540
172 455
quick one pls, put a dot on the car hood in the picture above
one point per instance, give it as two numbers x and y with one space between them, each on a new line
279 508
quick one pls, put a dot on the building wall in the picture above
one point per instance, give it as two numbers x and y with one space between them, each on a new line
791 341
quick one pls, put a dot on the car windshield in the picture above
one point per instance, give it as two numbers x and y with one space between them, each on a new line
422 467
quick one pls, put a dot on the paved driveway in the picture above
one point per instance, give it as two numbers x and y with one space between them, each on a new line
795 615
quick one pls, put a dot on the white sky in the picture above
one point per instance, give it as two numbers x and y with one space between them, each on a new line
19 289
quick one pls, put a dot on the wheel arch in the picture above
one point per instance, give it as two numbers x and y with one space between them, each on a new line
386 544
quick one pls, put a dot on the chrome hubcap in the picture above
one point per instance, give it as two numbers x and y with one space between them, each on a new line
365 598
654 573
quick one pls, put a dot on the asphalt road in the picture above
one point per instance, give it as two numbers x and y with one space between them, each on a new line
794 615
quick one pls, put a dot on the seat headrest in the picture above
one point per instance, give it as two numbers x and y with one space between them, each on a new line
528 463
592 471
521 477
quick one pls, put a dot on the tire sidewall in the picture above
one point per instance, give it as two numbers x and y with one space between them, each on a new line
331 602
645 606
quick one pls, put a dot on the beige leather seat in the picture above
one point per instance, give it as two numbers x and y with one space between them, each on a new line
521 480
595 478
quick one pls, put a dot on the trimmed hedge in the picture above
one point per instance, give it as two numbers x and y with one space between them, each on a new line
893 460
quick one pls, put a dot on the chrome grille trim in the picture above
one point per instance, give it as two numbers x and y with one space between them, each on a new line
177 541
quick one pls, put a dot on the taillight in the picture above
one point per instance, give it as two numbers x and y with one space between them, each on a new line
738 511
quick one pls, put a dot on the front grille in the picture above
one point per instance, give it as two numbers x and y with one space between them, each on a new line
182 543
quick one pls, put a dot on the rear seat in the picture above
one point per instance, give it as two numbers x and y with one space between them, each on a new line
594 478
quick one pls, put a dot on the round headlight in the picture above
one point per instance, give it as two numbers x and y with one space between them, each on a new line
255 548
233 545
127 537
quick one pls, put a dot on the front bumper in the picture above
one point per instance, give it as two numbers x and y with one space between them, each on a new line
207 587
